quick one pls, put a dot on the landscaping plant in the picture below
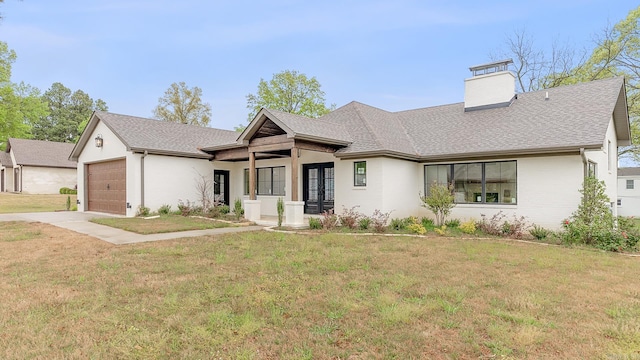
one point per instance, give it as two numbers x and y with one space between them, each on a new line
539 232
68 203
280 208
379 221
164 209
364 222
349 217
315 223
468 227
238 211
440 201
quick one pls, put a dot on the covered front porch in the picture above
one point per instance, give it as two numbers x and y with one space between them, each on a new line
272 161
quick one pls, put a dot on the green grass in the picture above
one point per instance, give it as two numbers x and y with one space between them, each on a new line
23 203
163 224
265 295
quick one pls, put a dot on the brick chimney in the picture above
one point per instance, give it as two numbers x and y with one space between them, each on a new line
490 85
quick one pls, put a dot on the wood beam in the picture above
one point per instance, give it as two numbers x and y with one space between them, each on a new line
252 176
307 145
271 147
276 139
231 154
294 174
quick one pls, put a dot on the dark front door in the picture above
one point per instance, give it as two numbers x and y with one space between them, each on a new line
221 186
318 187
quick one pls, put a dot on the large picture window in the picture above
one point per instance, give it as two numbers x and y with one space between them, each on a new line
487 182
269 181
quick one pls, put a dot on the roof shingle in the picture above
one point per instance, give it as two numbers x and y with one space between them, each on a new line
41 153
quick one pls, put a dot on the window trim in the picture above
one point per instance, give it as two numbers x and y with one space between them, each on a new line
246 181
483 181
630 184
363 175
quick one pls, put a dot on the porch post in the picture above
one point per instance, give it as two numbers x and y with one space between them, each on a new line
252 206
294 174
252 175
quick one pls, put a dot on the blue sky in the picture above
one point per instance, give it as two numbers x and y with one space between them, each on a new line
395 55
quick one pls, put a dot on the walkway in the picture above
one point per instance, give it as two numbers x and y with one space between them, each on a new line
79 222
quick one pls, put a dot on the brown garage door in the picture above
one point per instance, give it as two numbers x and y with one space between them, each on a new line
106 187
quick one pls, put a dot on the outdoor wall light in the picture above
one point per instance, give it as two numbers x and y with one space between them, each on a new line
99 141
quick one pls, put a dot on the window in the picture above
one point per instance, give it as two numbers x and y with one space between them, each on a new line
619 202
630 184
269 181
360 173
592 169
490 182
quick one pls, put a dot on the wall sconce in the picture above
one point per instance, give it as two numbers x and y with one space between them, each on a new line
98 140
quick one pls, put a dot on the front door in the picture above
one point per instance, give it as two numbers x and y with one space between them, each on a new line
221 186
318 187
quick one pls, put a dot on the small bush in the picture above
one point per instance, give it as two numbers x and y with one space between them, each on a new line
379 221
427 223
74 208
185 208
349 217
315 223
468 227
329 220
238 211
280 209
539 232
417 228
164 209
364 223
453 223
143 211
214 212
65 190
440 201
442 230
224 209
398 224
68 203
493 226
516 228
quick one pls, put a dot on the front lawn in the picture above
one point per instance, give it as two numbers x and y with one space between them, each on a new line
162 224
24 203
265 295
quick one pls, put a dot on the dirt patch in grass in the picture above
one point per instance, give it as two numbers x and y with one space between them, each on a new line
23 203
266 295
162 224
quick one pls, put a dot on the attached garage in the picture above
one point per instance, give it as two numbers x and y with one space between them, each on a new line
107 186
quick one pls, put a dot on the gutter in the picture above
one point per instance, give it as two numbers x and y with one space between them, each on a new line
584 162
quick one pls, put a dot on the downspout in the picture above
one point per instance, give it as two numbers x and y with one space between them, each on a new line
584 162
142 178
21 169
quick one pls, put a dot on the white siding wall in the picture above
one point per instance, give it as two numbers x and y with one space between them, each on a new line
629 198
607 160
547 192
46 180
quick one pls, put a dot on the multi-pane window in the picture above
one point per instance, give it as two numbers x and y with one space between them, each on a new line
630 184
360 173
592 169
269 181
489 182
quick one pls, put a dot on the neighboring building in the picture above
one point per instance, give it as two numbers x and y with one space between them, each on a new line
37 167
524 154
629 191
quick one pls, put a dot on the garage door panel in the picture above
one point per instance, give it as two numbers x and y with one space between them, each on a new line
106 187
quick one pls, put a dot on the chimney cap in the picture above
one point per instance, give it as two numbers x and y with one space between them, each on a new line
492 67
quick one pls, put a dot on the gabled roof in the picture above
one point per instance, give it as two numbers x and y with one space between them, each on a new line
573 117
156 137
40 153
5 160
629 171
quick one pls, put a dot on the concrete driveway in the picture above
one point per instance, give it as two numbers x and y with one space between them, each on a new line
79 222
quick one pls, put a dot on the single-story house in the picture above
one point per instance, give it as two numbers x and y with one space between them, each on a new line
37 167
629 191
523 154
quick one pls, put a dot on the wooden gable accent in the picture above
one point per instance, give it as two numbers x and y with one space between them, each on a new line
268 128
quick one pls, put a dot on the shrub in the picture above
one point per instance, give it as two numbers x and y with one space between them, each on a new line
164 209
143 211
427 223
492 226
349 217
398 224
224 209
468 227
453 223
68 203
214 212
238 211
315 223
364 223
439 201
280 208
74 208
185 208
442 230
65 190
417 228
539 232
379 221
629 231
329 220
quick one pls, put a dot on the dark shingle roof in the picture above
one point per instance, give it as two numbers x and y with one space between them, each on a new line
5 160
139 134
573 117
302 126
41 153
629 171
